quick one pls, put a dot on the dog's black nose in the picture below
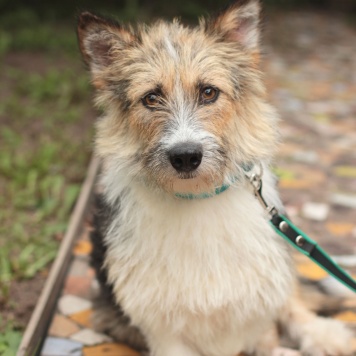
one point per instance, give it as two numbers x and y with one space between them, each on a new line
186 156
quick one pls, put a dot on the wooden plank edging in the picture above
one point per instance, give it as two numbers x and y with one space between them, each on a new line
41 316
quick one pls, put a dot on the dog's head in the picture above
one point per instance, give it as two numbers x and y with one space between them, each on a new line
184 107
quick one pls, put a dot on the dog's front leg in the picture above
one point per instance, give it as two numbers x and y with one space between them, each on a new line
164 344
317 336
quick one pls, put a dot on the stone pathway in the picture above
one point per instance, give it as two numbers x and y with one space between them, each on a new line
310 66
311 75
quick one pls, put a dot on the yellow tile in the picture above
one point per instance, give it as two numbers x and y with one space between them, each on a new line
294 184
109 350
82 247
345 171
306 180
311 271
83 318
347 317
340 229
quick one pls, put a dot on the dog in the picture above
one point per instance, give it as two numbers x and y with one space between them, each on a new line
187 262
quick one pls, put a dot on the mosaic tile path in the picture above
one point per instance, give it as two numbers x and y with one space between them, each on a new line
311 71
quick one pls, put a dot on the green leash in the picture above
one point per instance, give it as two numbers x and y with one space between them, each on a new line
300 240
304 244
286 229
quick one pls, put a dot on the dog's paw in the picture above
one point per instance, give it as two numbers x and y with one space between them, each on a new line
267 343
326 337
281 351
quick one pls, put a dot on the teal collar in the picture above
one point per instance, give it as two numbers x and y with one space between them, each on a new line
191 196
247 167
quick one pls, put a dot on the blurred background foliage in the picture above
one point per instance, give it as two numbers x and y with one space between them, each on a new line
46 124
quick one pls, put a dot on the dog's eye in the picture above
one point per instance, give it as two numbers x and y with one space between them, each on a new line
150 100
208 95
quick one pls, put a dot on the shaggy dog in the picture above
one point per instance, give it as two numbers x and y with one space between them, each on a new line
187 261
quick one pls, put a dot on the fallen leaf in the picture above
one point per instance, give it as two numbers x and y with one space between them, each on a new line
109 350
345 171
339 228
347 317
82 247
311 271
83 318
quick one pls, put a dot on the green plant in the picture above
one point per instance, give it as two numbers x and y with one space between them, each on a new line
9 340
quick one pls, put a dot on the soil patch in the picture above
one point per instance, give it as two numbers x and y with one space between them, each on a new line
23 295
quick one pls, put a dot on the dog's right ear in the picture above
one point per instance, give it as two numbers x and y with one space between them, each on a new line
99 40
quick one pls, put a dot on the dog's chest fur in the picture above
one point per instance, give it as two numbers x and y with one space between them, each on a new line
183 264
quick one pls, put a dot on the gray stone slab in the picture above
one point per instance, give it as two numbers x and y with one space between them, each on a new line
54 346
315 211
346 200
332 286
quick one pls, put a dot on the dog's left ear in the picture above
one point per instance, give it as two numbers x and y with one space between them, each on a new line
239 23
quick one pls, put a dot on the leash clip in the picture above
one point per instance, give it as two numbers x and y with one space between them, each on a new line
256 181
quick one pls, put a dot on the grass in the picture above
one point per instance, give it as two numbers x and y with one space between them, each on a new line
45 145
9 341
41 166
24 30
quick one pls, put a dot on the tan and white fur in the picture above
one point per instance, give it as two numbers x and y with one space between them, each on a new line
192 276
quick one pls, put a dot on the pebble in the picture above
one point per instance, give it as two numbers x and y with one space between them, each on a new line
78 286
317 107
292 211
345 260
89 337
70 304
293 104
346 200
79 268
333 287
353 232
306 156
315 211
